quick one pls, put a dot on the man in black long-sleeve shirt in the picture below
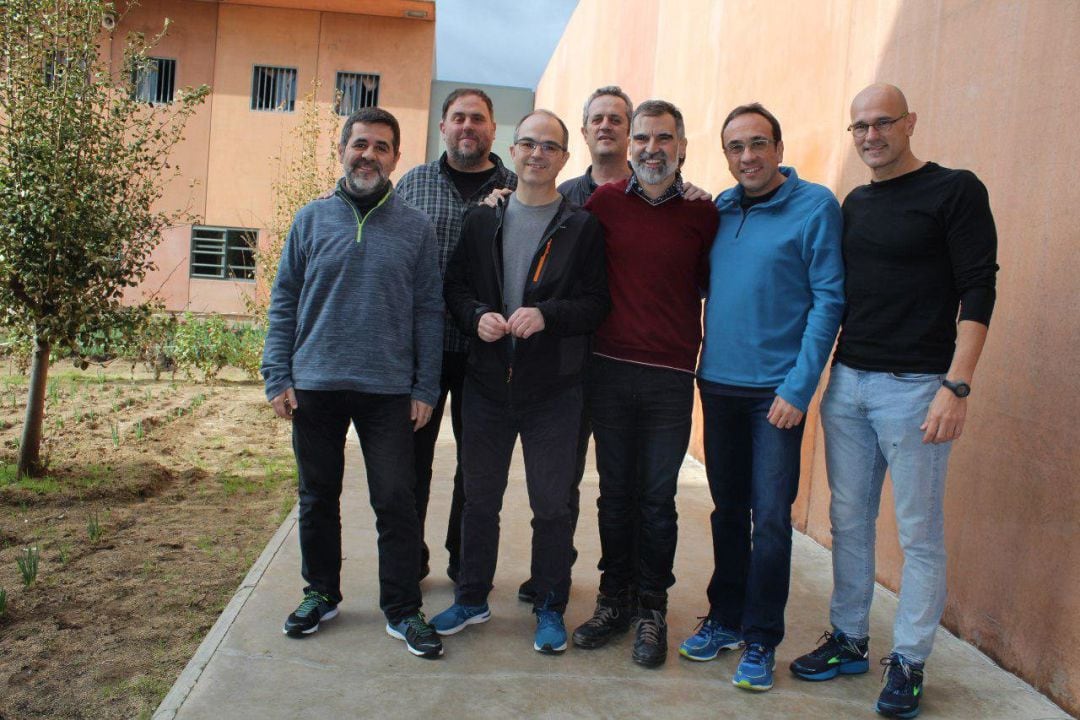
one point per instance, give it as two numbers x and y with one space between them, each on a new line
919 248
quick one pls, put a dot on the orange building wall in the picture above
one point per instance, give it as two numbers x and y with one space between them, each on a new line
230 155
993 83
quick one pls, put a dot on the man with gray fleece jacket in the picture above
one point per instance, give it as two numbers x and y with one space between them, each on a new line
355 336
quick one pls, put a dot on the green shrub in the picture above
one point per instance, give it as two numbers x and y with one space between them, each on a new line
204 344
248 349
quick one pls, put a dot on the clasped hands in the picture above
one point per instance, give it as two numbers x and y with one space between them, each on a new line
525 322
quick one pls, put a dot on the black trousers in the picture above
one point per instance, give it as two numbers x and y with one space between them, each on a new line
386 440
453 377
549 431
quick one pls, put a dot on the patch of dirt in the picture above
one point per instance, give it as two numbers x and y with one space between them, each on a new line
159 497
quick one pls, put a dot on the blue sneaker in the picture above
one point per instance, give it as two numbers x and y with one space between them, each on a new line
550 632
755 671
903 688
711 637
454 618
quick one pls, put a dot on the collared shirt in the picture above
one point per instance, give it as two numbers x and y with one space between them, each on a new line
429 188
673 191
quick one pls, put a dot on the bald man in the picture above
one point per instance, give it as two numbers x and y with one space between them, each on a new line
920 251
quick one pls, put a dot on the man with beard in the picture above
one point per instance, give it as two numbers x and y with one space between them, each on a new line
356 321
641 376
444 189
528 282
920 253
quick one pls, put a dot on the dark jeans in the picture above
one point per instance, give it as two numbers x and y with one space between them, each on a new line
753 470
453 375
549 436
386 441
641 427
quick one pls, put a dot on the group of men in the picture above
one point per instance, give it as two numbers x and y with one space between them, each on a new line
575 309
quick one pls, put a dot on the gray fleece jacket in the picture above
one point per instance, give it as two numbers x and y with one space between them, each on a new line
357 303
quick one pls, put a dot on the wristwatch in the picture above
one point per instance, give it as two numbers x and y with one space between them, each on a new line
960 389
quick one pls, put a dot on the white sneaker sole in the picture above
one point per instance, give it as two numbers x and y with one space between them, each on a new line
474 620
395 634
328 616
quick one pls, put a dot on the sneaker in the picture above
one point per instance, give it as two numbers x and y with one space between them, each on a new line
526 592
836 655
611 617
755 671
550 632
315 608
650 641
419 635
710 638
903 687
454 618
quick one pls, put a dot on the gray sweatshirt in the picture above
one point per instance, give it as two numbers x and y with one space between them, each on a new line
357 305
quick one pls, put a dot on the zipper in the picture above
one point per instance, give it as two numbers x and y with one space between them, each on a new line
359 222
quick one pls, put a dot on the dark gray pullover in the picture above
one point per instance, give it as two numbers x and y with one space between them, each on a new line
357 304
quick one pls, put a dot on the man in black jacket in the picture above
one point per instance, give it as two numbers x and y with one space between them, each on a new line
528 280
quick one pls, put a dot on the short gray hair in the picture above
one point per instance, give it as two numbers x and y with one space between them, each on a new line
654 108
614 91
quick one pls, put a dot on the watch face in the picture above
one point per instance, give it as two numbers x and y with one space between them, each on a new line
960 389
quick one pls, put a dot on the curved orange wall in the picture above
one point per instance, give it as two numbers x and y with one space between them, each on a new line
994 85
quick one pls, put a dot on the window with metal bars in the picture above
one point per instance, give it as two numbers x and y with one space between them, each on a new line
355 91
273 88
154 81
223 253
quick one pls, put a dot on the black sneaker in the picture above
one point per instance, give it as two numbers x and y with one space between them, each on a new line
611 617
315 608
419 635
650 642
526 592
837 655
903 687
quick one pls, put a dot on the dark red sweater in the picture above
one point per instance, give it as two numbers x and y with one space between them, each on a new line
657 263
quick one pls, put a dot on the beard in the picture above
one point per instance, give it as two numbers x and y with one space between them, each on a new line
653 176
359 185
469 159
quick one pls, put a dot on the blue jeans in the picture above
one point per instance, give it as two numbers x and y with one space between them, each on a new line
753 471
641 429
871 422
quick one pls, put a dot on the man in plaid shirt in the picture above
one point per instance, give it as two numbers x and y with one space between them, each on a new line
444 189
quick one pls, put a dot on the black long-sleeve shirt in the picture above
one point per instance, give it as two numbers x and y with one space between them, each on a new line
917 248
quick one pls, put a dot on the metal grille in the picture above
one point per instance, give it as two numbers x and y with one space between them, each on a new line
155 82
273 88
223 253
355 91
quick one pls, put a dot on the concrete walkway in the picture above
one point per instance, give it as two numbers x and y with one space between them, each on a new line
246 668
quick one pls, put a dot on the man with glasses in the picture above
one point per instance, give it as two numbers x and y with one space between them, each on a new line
919 247
444 189
527 284
776 293
641 377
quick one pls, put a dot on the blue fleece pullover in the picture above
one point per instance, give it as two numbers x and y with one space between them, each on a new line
776 290
357 303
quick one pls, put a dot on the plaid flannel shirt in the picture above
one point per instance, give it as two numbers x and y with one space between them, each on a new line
429 188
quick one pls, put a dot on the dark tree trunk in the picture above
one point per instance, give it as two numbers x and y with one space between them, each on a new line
30 445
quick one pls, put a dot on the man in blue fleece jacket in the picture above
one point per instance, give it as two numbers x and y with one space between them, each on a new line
776 294
355 336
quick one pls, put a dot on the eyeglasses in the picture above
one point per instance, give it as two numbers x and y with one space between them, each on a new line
527 145
860 129
757 146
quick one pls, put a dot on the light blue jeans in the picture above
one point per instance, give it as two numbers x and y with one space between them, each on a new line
871 422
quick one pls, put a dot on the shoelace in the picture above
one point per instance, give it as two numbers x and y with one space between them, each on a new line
704 624
830 646
420 624
603 614
650 629
899 679
311 601
755 654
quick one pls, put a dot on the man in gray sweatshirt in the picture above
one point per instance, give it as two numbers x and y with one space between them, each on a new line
355 336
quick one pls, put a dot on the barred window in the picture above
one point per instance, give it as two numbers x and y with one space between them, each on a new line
273 88
154 81
355 91
223 253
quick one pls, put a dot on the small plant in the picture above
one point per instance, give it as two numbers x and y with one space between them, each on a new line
64 555
197 400
53 392
28 565
78 415
114 430
139 432
59 423
3 602
93 528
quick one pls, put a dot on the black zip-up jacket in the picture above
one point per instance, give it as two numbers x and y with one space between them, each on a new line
567 283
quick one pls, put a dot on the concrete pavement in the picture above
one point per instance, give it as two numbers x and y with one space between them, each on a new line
246 668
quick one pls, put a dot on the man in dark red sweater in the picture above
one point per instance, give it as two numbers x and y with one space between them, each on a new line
641 380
